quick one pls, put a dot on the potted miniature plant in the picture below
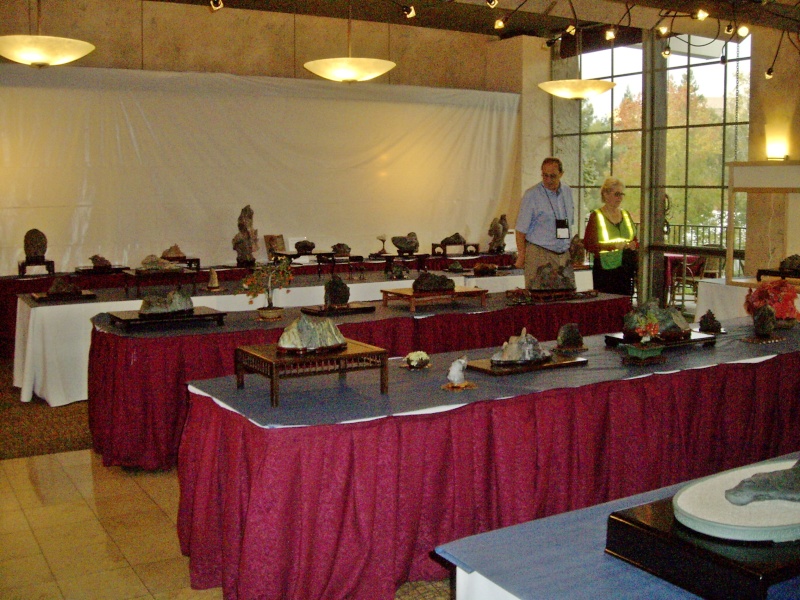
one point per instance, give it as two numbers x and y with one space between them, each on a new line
647 328
780 295
265 279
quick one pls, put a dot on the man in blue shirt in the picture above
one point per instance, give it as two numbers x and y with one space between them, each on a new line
545 223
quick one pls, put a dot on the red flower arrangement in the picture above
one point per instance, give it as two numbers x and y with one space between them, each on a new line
778 293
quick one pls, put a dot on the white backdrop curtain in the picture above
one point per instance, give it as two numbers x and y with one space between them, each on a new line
126 163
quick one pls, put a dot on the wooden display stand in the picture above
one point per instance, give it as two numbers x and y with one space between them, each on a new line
23 265
413 298
274 364
469 249
650 538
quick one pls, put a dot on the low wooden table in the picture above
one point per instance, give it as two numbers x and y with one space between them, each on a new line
413 298
275 364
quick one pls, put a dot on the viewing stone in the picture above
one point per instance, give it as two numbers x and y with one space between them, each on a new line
35 244
337 293
428 282
174 301
777 485
406 244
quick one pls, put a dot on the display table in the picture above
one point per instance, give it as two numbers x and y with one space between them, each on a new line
136 414
268 360
369 501
51 346
532 560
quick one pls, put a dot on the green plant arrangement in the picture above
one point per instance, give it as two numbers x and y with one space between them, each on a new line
647 326
266 278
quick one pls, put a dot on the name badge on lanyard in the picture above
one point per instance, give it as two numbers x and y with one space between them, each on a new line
562 229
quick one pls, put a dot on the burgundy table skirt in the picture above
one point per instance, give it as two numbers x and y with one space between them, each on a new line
355 510
137 385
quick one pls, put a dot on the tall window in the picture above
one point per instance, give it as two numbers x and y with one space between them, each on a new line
706 125
700 120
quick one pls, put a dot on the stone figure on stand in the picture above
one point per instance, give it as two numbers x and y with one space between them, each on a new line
497 231
246 241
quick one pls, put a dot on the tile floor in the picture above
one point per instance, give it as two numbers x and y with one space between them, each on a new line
71 529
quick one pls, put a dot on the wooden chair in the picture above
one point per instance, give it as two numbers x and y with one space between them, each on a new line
687 278
715 265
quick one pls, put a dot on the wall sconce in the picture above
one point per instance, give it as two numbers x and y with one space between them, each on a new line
777 149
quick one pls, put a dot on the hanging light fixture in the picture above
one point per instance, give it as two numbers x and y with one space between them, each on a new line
42 50
770 73
500 23
349 69
576 89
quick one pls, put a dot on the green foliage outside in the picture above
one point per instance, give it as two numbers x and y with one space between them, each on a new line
695 167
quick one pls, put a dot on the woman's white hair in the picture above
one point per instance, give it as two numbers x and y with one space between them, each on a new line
609 184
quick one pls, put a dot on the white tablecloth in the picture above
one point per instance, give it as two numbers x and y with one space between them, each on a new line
725 301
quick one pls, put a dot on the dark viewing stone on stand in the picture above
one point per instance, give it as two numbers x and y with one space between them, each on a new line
649 537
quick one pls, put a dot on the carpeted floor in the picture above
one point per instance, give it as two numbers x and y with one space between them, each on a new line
34 428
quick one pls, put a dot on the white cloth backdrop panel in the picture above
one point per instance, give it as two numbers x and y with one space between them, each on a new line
126 163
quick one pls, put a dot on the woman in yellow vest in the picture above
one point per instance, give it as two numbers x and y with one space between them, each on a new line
611 236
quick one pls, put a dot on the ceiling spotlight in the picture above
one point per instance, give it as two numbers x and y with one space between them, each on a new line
611 34
571 29
409 12
729 29
666 52
769 73
743 31
552 42
700 15
500 23
216 4
491 3
663 30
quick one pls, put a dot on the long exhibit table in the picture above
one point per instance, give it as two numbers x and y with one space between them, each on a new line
530 560
137 381
89 279
354 509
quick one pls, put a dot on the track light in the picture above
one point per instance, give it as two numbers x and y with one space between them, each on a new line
500 23
700 15
771 71
216 4
611 34
666 52
409 12
491 3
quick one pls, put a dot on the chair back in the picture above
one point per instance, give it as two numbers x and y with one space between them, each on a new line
715 265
